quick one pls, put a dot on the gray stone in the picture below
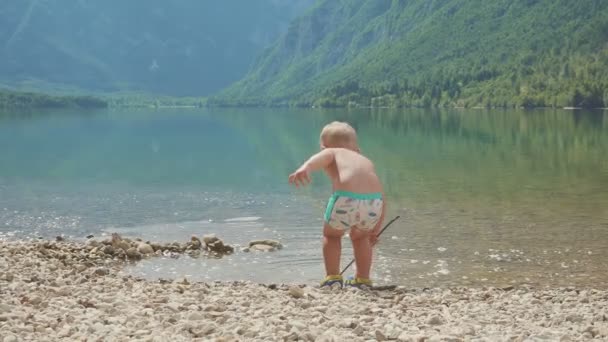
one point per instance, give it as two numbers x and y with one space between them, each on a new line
298 324
218 246
296 292
435 320
380 336
405 337
35 300
359 330
4 308
574 318
210 238
262 248
123 245
195 316
196 242
10 338
274 243
144 248
133 254
102 271
109 250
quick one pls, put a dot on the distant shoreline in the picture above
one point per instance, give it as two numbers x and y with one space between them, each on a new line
10 99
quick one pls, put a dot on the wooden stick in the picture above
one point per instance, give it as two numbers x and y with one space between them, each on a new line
382 231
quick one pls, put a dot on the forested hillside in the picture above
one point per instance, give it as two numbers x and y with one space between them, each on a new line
493 53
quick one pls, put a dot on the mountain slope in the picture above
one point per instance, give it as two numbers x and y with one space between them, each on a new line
185 47
436 52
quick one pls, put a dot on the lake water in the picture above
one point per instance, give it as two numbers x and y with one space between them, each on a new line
485 197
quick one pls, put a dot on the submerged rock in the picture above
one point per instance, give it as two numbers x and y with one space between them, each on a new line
262 248
274 243
214 244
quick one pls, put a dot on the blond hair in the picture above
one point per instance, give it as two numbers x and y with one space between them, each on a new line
339 134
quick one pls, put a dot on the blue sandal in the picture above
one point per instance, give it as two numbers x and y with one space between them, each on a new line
332 280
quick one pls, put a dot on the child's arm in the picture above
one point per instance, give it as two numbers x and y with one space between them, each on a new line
317 162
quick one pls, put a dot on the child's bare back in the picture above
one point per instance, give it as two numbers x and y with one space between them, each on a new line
352 171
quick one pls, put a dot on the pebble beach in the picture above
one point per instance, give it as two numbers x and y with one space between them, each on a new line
78 291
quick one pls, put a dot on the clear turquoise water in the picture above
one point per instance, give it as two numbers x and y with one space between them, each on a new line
486 197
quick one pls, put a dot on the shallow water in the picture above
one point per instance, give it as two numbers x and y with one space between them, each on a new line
486 197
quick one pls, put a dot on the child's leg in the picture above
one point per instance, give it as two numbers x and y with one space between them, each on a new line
332 247
362 249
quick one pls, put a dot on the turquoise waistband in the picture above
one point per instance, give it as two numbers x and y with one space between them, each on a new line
355 195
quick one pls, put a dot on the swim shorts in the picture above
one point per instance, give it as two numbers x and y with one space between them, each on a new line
347 209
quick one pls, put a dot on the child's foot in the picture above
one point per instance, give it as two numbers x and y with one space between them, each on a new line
360 283
333 281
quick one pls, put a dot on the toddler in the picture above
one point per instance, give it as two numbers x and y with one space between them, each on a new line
357 204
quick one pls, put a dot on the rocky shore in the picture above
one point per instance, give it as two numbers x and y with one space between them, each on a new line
76 291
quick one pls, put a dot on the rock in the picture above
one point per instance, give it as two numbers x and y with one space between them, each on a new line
594 331
133 254
35 300
5 308
435 320
64 291
207 329
296 292
109 250
8 277
90 236
298 324
218 246
349 323
262 248
380 336
122 245
445 338
102 271
196 242
210 238
274 243
59 238
405 337
574 318
145 248
195 316
358 330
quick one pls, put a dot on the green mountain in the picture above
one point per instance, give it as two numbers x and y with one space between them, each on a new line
494 53
181 48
